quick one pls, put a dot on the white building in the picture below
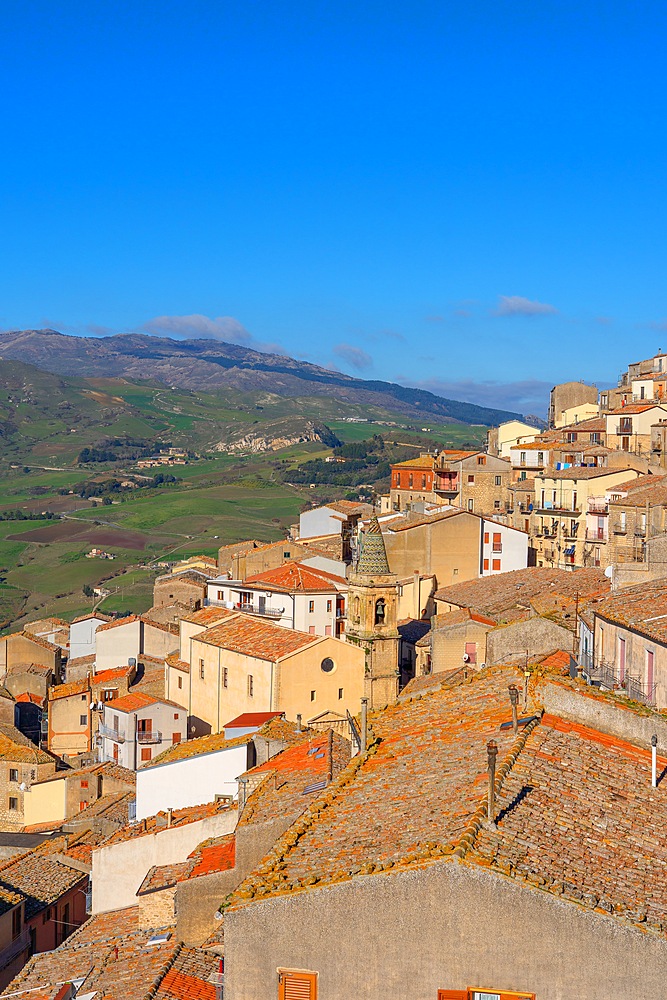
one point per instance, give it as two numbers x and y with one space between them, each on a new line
504 548
137 727
82 641
123 640
293 595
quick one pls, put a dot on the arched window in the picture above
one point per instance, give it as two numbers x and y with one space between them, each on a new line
379 611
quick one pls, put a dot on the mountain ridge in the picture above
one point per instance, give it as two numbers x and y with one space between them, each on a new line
210 364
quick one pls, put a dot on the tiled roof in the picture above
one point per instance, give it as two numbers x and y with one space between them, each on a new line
110 768
157 823
93 614
652 491
411 797
460 616
190 975
592 424
67 690
22 751
118 622
255 637
248 719
635 407
373 557
215 855
413 520
207 616
38 876
104 676
423 462
112 955
29 698
174 660
9 899
80 661
196 748
294 577
642 608
37 639
349 507
136 700
507 596
538 446
296 769
577 472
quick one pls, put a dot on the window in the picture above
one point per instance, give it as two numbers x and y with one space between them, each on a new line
410 477
286 554
225 676
13 803
109 694
176 738
481 459
180 682
327 665
329 606
312 696
46 915
175 716
201 669
522 458
311 606
486 538
297 985
82 805
84 783
84 697
496 504
83 720
145 753
497 541
340 694
13 774
495 564
311 630
221 595
471 480
486 564
623 520
16 922
499 480
251 686
327 629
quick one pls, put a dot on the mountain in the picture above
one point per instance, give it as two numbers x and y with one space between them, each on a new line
211 365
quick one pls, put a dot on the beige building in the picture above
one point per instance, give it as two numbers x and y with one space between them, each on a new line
458 639
124 640
472 480
75 709
629 428
186 588
65 794
21 764
577 414
500 440
20 649
566 397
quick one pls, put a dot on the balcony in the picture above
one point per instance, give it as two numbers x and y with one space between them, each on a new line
598 507
595 535
556 508
117 735
260 609
628 554
624 430
19 944
149 736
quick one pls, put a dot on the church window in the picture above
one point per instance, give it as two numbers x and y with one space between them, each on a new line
379 611
327 664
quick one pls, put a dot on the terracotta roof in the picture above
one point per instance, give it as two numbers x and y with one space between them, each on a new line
39 876
538 446
651 490
22 751
104 676
196 748
577 472
174 660
118 622
349 507
635 407
591 424
215 855
460 616
255 637
157 823
413 520
286 784
80 661
423 462
507 596
294 577
410 798
132 702
93 614
37 639
207 616
29 698
110 768
252 719
67 690
190 975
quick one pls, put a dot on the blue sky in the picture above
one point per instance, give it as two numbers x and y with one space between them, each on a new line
468 196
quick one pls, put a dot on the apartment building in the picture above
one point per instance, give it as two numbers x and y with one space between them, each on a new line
138 727
499 440
473 480
572 400
629 428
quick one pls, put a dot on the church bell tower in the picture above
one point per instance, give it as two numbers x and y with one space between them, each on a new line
372 612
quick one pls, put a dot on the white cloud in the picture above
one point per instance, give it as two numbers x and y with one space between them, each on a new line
199 327
517 305
527 396
354 357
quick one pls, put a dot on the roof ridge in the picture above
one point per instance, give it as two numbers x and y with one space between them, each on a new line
469 835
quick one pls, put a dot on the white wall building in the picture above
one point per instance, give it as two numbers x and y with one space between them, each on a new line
82 640
504 548
138 727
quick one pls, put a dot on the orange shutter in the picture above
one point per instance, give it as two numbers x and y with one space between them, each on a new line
298 986
452 995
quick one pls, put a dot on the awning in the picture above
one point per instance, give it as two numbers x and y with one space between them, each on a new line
569 551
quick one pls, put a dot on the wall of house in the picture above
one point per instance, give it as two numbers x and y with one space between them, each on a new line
448 644
17 649
82 637
117 645
45 803
48 934
575 414
171 590
211 704
9 945
320 521
567 395
508 434
537 636
158 642
447 926
513 553
302 687
66 732
192 781
449 548
13 819
607 646
29 680
259 560
607 715
178 686
119 869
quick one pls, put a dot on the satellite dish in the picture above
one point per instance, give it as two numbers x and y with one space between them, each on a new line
23 787
609 572
92 706
466 658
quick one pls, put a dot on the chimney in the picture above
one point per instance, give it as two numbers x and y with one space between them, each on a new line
514 698
416 595
170 813
364 724
298 723
654 761
330 756
243 791
491 753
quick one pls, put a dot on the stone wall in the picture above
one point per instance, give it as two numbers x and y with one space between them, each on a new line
536 636
447 926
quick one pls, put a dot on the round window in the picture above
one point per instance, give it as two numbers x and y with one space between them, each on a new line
327 664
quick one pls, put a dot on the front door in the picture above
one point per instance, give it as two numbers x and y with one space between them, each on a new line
115 751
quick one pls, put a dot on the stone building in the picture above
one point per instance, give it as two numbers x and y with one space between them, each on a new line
187 589
473 480
372 620
568 396
21 764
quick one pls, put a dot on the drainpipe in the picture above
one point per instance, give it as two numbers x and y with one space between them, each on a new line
514 698
654 761
491 753
298 722
364 724
330 757
416 596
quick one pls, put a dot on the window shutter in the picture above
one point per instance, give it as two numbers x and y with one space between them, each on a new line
298 986
452 995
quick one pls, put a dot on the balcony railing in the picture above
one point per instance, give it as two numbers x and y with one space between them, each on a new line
595 535
118 735
260 609
150 736
19 944
598 507
628 554
624 429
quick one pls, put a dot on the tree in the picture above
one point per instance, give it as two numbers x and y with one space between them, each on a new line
88 590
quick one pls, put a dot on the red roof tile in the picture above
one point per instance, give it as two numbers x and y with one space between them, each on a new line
249 719
294 577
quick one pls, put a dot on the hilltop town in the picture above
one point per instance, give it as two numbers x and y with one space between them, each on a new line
416 746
